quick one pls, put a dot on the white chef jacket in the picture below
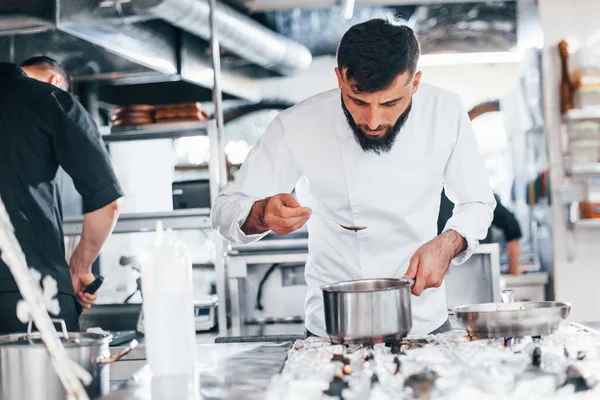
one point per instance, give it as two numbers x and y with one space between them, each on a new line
396 194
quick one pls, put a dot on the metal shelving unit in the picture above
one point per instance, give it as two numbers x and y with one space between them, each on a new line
573 191
583 169
191 218
587 223
169 130
576 223
198 218
143 222
581 115
573 117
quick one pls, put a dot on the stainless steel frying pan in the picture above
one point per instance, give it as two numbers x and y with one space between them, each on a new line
530 318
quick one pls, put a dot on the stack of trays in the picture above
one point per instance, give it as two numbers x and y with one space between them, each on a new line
180 112
134 114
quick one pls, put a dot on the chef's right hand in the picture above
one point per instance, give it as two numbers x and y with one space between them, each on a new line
80 282
283 214
280 213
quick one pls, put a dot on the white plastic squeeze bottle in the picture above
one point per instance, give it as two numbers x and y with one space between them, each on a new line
168 306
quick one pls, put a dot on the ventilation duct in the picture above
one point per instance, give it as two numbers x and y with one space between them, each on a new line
237 33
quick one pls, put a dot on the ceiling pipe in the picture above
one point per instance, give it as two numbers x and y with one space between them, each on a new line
238 33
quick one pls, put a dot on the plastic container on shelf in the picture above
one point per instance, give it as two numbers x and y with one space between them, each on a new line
585 151
592 190
587 74
587 97
589 210
168 306
585 131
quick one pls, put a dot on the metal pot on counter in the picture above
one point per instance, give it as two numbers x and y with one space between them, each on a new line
368 310
26 371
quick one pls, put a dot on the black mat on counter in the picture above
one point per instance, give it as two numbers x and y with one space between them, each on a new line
254 339
122 337
111 317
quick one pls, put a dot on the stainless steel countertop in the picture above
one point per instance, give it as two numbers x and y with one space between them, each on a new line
226 371
526 279
139 353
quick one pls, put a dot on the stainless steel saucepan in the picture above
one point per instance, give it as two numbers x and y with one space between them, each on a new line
26 371
367 310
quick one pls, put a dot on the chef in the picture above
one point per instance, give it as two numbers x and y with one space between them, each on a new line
375 152
43 127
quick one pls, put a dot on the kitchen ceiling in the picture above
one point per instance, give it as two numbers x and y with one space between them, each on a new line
442 27
119 42
270 5
163 42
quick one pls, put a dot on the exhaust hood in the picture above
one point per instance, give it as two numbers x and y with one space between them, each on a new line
118 42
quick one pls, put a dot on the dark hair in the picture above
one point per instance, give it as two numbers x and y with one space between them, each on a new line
375 52
46 62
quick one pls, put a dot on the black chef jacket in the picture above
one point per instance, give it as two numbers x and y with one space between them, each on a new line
41 128
503 219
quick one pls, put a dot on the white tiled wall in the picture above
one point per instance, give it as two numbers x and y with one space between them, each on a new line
576 281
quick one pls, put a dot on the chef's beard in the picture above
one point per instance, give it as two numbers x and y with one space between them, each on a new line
381 143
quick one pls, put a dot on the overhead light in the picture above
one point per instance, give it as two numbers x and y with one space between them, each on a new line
499 57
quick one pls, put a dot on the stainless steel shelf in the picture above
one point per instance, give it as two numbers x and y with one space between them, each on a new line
266 246
569 193
581 115
167 130
587 223
583 169
197 218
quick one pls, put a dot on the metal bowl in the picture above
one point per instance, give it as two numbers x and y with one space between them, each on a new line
367 310
530 318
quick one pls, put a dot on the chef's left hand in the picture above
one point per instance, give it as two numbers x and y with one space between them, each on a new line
80 282
428 265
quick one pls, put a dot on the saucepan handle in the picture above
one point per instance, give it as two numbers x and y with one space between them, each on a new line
112 359
61 322
508 296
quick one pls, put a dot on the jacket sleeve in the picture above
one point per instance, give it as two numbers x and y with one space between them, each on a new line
81 152
467 186
507 222
269 169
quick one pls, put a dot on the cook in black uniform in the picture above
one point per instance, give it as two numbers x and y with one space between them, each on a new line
42 127
504 220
